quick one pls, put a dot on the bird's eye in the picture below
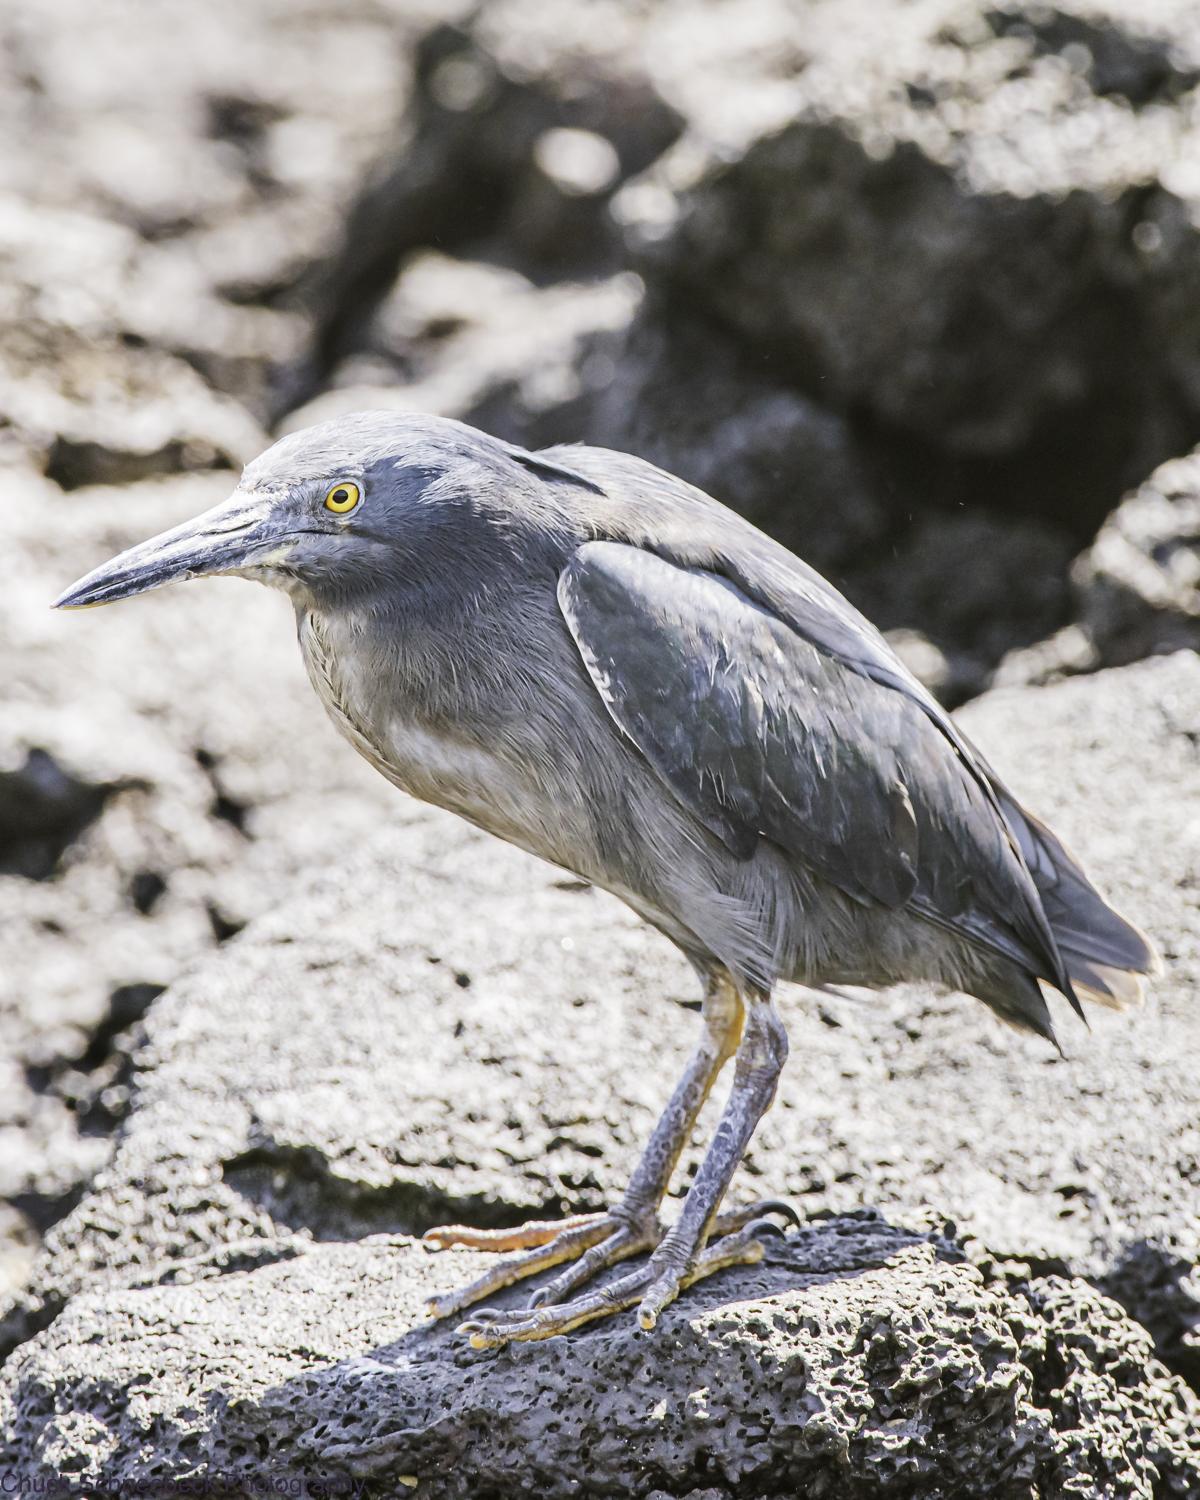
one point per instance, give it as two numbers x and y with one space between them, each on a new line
343 497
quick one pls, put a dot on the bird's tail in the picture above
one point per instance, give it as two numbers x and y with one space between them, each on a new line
1105 956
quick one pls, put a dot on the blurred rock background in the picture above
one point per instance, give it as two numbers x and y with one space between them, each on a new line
915 286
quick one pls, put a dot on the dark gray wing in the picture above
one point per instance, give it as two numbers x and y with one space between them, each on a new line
764 734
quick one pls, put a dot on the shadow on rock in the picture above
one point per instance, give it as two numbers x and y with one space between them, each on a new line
1159 1287
301 1189
787 1372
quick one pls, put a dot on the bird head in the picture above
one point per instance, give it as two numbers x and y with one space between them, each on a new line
333 511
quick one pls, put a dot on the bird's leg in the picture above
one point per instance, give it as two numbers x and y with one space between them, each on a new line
687 1253
594 1241
760 1061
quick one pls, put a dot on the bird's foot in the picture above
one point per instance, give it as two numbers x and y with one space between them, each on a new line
590 1241
651 1287
594 1242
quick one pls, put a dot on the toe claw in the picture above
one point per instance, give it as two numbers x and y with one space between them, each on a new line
657 1296
757 1228
784 1209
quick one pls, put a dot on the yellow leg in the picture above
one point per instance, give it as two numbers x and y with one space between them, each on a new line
701 1242
596 1241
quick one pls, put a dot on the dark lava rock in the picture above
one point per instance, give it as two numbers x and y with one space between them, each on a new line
856 1361
495 154
1136 589
130 738
43 809
1138 585
969 237
484 344
329 1075
942 287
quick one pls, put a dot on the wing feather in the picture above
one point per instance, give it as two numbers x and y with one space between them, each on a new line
764 733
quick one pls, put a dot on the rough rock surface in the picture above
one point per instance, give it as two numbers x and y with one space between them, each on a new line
1016 173
1137 588
479 342
440 1027
857 1360
882 283
913 285
166 185
162 769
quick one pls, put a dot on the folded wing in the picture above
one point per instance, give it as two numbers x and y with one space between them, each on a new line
764 733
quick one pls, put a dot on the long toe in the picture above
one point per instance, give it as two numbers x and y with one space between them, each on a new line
566 1245
591 1241
744 1247
491 1329
522 1237
623 1242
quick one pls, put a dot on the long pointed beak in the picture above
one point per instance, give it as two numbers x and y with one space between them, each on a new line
222 540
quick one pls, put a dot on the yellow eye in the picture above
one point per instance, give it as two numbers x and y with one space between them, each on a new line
343 497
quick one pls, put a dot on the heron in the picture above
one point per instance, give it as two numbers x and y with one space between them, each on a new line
601 664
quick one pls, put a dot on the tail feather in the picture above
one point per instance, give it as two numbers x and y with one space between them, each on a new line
1116 988
1103 953
1018 1000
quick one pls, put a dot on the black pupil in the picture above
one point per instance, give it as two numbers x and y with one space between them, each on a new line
341 496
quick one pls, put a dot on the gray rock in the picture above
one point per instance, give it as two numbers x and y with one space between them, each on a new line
879 276
1136 588
875 271
492 154
954 233
684 397
438 1027
836 331
169 184
973 581
162 769
180 127
577 361
94 385
856 1360
484 344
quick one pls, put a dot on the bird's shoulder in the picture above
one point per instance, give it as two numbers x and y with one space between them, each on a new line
773 708
660 513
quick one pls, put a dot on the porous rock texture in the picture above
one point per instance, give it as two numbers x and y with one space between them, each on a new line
1025 170
160 775
912 277
439 1027
857 1360
911 284
163 181
1137 587
892 262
